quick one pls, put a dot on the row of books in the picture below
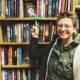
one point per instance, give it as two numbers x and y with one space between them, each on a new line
12 55
38 8
20 74
20 32
50 8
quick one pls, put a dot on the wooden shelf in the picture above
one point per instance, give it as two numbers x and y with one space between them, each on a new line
21 43
20 66
77 7
24 19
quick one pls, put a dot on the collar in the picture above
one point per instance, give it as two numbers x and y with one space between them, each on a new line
60 47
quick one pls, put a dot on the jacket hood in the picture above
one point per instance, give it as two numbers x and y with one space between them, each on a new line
76 41
76 38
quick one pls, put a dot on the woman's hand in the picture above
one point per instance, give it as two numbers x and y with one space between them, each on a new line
34 31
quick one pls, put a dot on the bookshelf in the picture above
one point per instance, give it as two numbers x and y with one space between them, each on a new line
18 43
28 19
20 66
12 21
77 11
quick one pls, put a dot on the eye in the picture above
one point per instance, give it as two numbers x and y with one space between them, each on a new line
67 26
59 25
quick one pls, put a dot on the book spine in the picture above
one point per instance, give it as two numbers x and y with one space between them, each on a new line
20 55
10 55
38 8
10 74
21 9
5 74
3 9
8 33
25 33
1 34
69 5
49 8
2 55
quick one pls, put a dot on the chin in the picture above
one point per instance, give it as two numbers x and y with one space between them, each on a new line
63 37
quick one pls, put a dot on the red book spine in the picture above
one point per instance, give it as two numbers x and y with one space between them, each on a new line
62 6
38 8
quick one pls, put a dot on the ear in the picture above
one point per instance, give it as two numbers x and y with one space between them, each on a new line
75 31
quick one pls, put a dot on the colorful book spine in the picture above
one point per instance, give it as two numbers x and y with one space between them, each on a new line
49 8
25 33
10 55
1 34
20 56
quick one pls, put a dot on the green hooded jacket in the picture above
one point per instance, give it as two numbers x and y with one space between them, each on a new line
56 61
60 60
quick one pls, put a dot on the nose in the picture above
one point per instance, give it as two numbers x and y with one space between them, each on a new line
63 28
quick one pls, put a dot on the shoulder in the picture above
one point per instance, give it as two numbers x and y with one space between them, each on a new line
77 51
76 64
77 38
76 58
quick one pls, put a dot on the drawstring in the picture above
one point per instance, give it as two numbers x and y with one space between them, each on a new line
49 58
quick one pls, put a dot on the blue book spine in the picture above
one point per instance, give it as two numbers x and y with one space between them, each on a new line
20 55
6 74
49 8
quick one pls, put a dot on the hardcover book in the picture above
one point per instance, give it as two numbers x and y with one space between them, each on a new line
29 10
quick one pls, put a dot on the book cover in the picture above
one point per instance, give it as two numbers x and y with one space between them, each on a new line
29 10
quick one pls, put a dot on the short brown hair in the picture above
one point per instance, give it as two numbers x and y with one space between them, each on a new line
71 15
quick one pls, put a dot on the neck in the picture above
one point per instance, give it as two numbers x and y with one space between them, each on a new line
67 42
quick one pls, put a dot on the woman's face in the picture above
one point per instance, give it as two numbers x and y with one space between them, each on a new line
65 28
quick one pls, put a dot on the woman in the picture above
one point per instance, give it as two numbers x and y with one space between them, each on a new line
57 60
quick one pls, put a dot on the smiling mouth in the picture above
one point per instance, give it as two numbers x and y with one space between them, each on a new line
63 33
